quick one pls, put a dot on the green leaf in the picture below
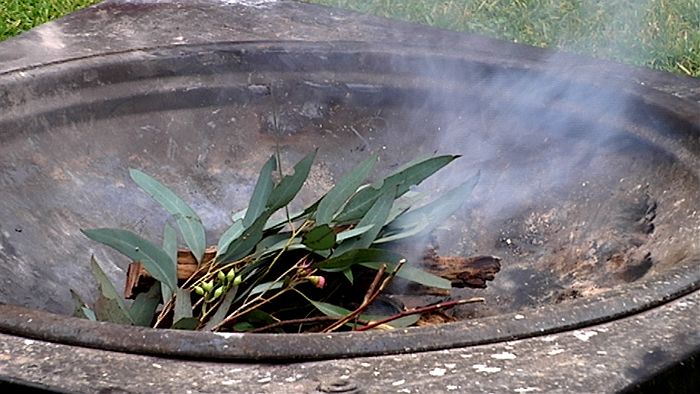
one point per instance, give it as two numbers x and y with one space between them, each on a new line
222 309
376 217
357 256
261 193
110 305
267 286
170 248
403 179
81 308
290 185
230 235
343 235
436 212
190 224
183 305
186 323
250 237
330 310
348 275
413 274
320 238
334 200
143 308
154 259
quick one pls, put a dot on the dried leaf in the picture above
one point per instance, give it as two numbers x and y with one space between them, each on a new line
187 219
335 199
154 259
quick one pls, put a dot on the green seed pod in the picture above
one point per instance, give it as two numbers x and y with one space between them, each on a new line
199 290
238 280
221 276
207 286
218 292
231 275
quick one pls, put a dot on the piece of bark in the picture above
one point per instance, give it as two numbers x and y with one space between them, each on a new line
138 280
471 272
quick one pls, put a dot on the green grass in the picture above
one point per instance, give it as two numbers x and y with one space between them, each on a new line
660 34
17 16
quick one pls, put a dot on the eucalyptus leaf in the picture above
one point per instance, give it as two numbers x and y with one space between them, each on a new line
357 256
320 238
143 308
376 216
334 200
170 248
330 310
290 185
187 219
250 237
427 217
413 274
261 193
186 323
343 235
267 286
80 307
348 275
230 235
110 305
403 179
222 309
183 305
154 259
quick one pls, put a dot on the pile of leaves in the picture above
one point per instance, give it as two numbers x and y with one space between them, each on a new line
319 269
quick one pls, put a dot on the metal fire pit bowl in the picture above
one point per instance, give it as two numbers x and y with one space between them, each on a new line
589 193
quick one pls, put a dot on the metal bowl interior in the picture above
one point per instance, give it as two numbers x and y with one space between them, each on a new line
588 189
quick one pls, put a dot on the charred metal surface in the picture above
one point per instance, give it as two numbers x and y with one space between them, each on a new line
589 193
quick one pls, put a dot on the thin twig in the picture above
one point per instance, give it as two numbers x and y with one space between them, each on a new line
294 321
368 299
424 309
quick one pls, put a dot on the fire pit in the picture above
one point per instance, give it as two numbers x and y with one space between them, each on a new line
589 182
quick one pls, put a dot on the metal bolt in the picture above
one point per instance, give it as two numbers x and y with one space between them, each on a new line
340 386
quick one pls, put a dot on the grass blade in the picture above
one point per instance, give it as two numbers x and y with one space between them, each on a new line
154 259
187 219
334 200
